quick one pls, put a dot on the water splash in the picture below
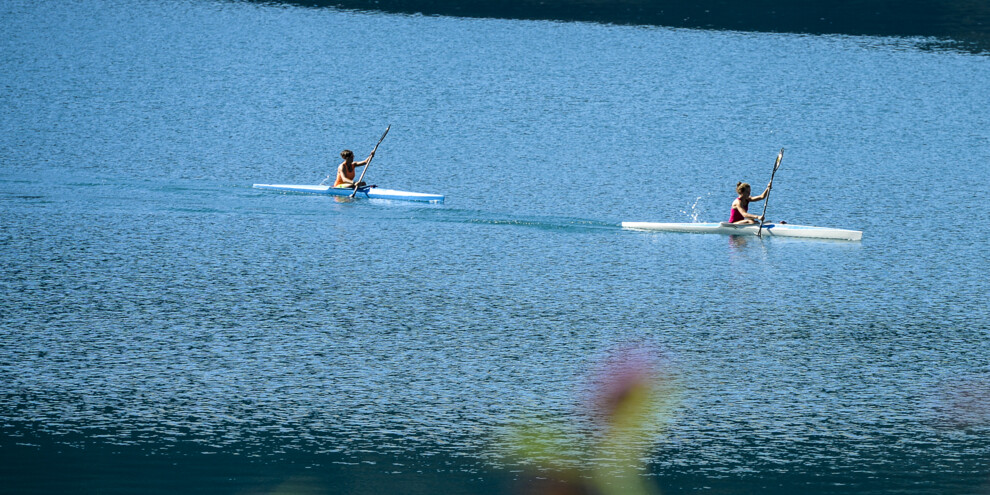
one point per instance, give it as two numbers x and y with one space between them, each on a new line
694 212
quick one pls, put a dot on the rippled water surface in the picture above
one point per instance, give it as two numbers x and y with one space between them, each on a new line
167 328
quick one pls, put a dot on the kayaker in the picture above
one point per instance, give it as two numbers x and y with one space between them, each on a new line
345 172
740 207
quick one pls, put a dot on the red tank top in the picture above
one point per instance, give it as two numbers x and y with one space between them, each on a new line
735 216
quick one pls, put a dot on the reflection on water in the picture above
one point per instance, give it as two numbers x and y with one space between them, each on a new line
739 242
967 24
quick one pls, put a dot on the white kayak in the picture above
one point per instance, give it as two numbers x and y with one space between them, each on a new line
771 229
369 192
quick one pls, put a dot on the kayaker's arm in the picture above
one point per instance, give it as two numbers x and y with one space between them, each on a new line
365 161
745 214
761 196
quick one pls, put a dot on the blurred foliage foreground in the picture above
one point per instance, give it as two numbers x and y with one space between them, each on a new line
604 447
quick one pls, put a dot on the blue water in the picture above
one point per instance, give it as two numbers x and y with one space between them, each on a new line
166 328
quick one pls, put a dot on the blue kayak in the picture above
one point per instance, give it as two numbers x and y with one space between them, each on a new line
368 192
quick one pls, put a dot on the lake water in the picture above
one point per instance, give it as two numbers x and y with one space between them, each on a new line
166 328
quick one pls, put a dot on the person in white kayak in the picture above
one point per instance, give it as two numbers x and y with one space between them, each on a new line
740 207
345 171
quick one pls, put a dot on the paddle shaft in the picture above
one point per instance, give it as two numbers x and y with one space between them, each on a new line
369 161
766 200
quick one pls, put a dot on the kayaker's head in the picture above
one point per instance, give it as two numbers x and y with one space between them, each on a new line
742 188
347 155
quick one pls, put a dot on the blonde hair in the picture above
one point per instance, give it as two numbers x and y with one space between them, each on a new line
740 186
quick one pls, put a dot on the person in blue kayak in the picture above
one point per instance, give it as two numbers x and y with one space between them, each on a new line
345 172
740 207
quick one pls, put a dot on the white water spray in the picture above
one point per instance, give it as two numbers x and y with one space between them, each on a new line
694 212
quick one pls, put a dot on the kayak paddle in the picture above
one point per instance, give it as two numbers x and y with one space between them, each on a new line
766 200
369 161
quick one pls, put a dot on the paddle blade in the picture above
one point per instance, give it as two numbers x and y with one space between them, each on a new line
780 155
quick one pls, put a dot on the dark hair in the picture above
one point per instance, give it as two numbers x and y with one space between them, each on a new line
346 154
